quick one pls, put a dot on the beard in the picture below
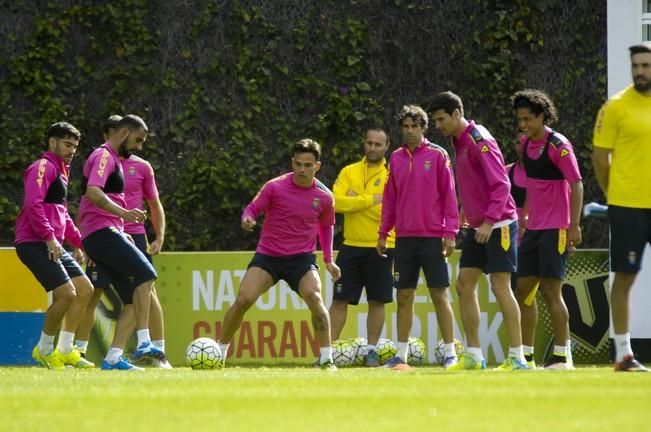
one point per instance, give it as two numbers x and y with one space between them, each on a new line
642 86
124 151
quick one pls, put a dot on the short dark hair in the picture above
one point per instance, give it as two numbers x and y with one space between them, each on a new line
307 145
111 123
61 130
416 113
644 47
537 101
446 101
378 129
133 122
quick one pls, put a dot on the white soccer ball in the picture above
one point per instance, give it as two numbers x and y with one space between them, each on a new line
439 350
361 351
416 352
204 353
386 349
344 352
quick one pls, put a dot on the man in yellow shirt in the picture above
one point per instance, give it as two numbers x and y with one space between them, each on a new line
358 195
621 159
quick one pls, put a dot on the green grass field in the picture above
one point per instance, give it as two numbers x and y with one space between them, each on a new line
300 398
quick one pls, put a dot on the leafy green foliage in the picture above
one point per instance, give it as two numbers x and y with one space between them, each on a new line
227 87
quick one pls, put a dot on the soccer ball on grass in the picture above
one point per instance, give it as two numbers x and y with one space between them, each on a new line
204 353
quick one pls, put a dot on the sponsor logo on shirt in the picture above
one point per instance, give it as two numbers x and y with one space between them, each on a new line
485 149
427 165
41 172
102 163
377 182
564 152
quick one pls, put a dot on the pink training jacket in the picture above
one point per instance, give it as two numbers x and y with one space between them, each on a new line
41 221
139 185
419 198
293 216
484 186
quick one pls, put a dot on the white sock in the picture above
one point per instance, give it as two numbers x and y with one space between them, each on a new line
402 350
622 346
81 345
560 350
113 355
46 344
159 343
528 350
326 355
64 345
475 353
143 336
517 352
450 350
370 348
569 351
223 347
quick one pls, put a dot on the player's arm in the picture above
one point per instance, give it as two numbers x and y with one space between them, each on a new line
574 236
499 189
565 160
37 181
346 199
96 195
388 221
326 239
450 205
601 165
157 215
256 207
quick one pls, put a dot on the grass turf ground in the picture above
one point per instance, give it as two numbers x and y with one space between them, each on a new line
299 398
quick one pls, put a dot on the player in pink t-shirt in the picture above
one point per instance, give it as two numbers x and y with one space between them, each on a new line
41 228
140 186
490 243
296 207
554 202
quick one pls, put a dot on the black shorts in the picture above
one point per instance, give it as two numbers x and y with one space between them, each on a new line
291 268
50 274
124 264
363 267
100 278
499 255
543 253
630 231
414 253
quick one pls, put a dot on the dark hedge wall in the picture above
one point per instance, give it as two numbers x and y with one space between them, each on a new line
228 86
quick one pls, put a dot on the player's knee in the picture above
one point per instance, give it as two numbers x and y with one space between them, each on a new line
243 302
66 294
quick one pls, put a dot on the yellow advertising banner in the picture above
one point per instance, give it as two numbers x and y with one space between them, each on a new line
19 290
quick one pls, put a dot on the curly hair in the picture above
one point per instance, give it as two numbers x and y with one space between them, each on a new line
537 101
414 112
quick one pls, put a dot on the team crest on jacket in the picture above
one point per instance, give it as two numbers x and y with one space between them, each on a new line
427 165
132 171
377 182
315 203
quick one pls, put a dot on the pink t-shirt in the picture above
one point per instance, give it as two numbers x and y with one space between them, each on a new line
102 164
293 217
41 221
140 185
548 201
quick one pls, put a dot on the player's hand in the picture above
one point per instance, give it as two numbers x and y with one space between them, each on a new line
351 193
334 271
483 233
155 247
448 247
54 249
574 237
135 215
382 247
79 255
248 224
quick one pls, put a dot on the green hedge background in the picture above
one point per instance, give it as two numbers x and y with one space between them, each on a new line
228 86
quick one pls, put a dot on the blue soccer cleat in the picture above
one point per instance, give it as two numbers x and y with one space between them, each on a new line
147 349
122 365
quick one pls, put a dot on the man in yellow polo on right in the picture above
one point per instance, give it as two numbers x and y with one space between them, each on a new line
622 164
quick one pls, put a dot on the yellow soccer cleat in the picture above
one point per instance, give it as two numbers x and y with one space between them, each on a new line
74 359
50 361
513 363
466 362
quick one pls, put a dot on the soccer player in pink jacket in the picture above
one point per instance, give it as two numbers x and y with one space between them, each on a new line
421 205
490 243
296 207
41 228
